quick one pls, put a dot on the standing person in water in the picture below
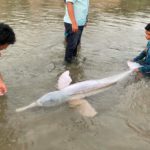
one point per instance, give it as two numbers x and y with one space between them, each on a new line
75 20
7 37
144 57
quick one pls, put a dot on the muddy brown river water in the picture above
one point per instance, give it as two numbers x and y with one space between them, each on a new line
31 67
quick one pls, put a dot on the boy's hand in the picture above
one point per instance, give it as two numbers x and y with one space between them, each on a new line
139 74
136 70
74 27
3 88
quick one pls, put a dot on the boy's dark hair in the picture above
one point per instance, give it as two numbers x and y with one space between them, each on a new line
7 35
147 27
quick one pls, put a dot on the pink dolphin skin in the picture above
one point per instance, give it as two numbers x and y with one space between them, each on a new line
74 94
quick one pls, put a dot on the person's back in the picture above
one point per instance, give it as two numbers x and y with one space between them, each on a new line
147 58
144 57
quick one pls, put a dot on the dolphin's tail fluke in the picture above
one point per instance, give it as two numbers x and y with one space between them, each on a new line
34 104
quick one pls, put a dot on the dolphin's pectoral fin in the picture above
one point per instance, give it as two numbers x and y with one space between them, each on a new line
86 109
83 107
75 103
64 80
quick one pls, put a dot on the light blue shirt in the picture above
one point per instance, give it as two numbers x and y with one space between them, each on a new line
80 10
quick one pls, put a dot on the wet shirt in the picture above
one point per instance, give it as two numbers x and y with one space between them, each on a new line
144 59
80 11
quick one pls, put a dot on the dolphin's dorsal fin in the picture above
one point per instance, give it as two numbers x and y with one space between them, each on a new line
83 107
64 80
133 65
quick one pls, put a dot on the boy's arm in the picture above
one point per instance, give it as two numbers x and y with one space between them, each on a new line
3 88
140 56
144 69
72 16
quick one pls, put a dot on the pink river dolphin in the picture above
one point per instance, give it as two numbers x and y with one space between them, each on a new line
75 93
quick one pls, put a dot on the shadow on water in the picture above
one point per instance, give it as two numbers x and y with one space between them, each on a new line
76 72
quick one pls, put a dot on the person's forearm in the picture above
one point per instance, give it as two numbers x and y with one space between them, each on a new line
71 12
3 88
140 56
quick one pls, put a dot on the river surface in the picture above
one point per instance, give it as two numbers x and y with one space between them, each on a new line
31 67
